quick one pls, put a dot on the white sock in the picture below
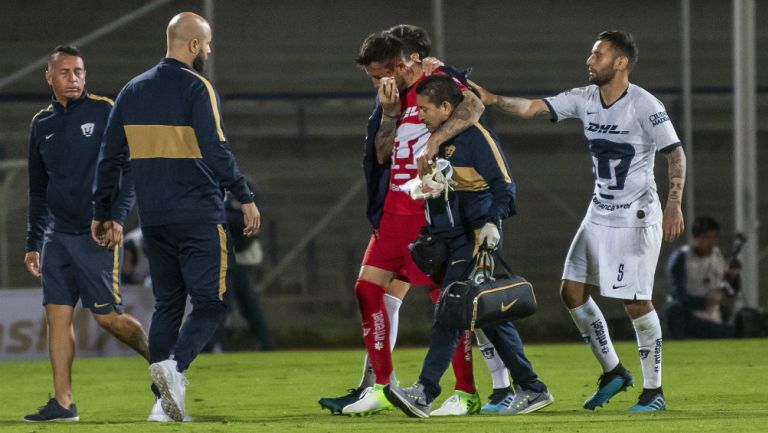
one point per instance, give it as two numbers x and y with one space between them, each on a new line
368 379
392 304
591 323
648 332
499 372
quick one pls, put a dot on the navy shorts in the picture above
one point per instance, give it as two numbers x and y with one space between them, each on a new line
75 267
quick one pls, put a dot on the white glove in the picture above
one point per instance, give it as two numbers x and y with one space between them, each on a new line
490 235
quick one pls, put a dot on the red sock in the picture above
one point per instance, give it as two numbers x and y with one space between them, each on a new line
434 295
462 364
370 299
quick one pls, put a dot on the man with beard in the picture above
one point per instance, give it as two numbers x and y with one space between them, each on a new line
166 125
392 60
617 246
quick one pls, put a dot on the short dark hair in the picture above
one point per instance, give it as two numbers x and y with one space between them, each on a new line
439 89
414 38
623 43
69 50
381 47
704 224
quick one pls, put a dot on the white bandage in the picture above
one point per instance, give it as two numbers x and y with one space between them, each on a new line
432 184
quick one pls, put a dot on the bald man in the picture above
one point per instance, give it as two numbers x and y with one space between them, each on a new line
166 124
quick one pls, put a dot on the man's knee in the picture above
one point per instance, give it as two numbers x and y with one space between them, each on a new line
106 321
638 308
573 293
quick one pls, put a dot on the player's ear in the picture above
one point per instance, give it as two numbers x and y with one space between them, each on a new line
194 46
621 63
446 107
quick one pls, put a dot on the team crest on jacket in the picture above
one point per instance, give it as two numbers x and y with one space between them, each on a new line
87 129
449 150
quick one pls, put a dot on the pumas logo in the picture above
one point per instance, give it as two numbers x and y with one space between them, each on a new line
87 128
644 353
488 352
449 151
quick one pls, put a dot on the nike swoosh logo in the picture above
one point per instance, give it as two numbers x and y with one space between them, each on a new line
619 287
591 112
100 305
49 136
458 261
504 308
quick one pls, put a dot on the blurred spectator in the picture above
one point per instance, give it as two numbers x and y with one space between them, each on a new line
701 286
135 268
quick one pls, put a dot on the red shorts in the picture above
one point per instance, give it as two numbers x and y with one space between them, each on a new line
389 250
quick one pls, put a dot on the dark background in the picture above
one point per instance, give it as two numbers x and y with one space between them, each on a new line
295 108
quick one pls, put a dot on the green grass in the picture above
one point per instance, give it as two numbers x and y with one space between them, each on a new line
710 387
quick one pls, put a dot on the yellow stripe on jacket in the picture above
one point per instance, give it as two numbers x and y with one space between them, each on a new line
162 141
214 105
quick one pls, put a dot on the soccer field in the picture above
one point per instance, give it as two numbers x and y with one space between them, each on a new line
710 387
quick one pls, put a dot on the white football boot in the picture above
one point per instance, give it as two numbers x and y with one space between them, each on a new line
460 403
372 401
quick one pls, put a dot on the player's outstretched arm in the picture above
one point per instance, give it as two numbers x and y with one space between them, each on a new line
389 98
673 224
518 107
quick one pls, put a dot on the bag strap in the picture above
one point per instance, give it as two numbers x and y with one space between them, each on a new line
507 269
482 260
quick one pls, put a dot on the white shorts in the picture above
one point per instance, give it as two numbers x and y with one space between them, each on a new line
621 261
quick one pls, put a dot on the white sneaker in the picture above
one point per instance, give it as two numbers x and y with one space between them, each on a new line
158 414
372 401
172 386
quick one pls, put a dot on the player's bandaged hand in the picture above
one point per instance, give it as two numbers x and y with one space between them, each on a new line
489 235
432 184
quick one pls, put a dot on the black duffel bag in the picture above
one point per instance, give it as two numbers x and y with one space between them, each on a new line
483 300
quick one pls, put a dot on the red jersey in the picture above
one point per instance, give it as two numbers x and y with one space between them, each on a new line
410 139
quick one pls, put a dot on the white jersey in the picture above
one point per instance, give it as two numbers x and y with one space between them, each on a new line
623 139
